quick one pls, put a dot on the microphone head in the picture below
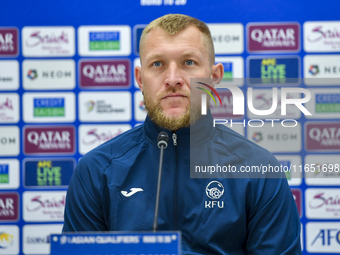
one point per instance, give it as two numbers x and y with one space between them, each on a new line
162 139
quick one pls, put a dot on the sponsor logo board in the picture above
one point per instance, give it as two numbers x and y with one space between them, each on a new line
9 141
91 136
105 73
326 169
227 38
294 177
321 36
9 75
322 136
323 237
283 70
104 40
276 138
233 70
40 140
324 104
137 33
9 108
48 41
321 69
263 100
9 206
9 174
140 111
43 206
36 238
49 107
9 239
273 37
298 199
9 42
48 74
104 106
47 173
322 203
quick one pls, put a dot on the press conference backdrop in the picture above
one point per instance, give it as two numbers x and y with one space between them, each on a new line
66 86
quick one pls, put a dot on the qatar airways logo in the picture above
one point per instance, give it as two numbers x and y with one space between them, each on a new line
322 136
49 139
267 37
238 103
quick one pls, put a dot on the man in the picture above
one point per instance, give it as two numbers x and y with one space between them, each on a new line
114 186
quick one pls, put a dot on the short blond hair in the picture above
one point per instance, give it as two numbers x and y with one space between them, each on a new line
174 23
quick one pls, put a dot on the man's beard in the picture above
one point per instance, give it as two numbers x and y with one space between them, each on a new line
173 122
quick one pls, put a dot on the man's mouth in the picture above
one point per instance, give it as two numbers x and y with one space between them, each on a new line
174 95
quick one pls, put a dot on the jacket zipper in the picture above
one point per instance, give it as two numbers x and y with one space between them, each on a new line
174 140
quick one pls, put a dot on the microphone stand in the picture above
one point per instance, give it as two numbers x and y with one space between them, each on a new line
162 142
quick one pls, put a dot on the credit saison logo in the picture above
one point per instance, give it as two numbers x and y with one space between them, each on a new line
228 71
104 40
49 107
238 103
327 103
4 173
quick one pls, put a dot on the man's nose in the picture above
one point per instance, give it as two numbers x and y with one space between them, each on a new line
174 76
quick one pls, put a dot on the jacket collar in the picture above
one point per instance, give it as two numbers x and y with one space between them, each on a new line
200 132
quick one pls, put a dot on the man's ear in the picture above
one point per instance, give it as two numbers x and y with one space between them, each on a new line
217 73
138 76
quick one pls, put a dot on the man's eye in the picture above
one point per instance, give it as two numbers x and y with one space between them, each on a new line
157 63
189 62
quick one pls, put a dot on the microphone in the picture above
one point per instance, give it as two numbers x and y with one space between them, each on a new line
162 142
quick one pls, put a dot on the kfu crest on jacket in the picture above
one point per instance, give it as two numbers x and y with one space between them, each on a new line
214 191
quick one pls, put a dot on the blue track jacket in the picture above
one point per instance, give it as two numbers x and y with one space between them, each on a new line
252 216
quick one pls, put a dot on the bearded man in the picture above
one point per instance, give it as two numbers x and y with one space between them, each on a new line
114 186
